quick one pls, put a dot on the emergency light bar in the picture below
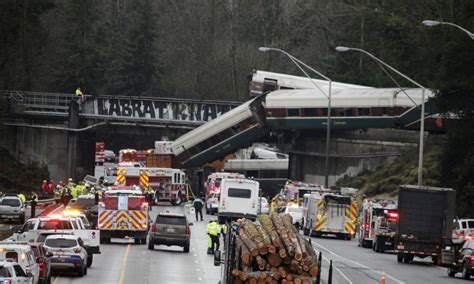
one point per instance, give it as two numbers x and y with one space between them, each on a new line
393 215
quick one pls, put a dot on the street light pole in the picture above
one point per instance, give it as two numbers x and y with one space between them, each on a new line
422 116
297 62
430 23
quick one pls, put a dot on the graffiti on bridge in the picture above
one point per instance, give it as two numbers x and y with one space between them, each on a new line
159 109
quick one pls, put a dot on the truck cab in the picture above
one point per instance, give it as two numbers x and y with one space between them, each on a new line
239 198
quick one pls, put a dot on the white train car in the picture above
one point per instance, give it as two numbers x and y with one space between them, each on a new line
231 131
350 108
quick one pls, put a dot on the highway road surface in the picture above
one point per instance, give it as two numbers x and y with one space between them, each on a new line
124 262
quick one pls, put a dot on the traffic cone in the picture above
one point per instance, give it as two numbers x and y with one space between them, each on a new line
382 281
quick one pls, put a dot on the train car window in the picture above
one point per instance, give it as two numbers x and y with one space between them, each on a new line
286 88
363 112
293 112
337 112
309 112
269 85
350 112
321 112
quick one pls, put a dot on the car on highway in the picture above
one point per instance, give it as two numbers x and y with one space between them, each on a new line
44 262
296 214
171 229
68 253
212 203
264 206
12 209
463 261
22 254
13 273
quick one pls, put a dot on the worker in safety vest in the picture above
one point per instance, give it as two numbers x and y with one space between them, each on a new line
22 198
213 230
80 95
33 202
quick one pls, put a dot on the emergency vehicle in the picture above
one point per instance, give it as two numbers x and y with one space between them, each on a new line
378 225
123 212
330 214
168 184
213 189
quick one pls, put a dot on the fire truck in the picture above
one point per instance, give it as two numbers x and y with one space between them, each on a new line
168 184
378 225
333 214
123 212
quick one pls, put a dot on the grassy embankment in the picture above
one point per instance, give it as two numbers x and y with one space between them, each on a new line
384 181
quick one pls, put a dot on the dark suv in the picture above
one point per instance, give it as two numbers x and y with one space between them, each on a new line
170 229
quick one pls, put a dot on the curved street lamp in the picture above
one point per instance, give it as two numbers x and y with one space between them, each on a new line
430 23
297 62
422 118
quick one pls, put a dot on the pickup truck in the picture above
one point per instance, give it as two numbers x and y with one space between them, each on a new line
62 224
11 208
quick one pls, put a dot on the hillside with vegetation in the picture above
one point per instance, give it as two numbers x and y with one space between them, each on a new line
385 180
17 177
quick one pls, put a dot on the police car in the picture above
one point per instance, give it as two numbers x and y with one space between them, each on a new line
68 253
13 273
23 255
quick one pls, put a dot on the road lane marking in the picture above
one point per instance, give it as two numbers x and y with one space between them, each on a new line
337 269
124 265
360 264
56 279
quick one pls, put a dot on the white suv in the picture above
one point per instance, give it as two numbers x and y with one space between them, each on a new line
11 208
11 272
68 253
22 254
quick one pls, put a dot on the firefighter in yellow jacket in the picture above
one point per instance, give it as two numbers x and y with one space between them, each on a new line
213 231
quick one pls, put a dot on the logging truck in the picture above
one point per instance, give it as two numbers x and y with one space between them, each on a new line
270 251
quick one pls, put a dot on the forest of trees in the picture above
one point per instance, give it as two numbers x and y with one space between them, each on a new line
204 49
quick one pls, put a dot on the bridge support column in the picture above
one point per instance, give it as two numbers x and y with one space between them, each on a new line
72 138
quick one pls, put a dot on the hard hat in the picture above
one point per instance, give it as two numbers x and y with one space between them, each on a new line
87 185
44 181
70 179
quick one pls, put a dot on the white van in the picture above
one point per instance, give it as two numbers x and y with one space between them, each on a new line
239 198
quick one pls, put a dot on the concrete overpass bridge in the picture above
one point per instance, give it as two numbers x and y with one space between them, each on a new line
54 129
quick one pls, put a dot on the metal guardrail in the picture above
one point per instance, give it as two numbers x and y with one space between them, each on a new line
39 101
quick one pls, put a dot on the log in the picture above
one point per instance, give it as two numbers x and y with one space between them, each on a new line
290 277
266 239
282 271
267 224
283 233
287 221
274 259
301 240
254 235
245 256
261 262
282 251
248 242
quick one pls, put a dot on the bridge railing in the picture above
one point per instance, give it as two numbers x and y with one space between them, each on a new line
39 101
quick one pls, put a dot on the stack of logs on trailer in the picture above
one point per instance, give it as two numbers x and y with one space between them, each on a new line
272 251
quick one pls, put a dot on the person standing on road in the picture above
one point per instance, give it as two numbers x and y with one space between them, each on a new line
45 187
22 198
33 202
198 204
213 230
